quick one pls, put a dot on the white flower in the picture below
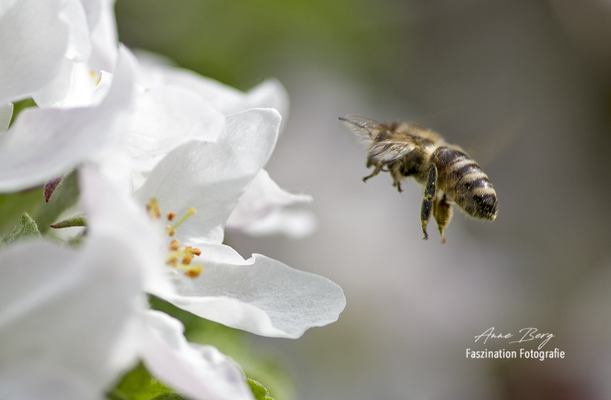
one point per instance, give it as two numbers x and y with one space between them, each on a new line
33 42
197 371
44 144
261 209
65 328
159 71
72 320
260 295
50 48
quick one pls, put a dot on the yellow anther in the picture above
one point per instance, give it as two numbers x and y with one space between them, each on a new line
179 257
174 245
153 209
194 271
194 250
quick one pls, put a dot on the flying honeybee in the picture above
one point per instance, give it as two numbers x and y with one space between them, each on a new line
447 173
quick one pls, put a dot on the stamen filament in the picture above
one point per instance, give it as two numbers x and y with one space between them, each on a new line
170 229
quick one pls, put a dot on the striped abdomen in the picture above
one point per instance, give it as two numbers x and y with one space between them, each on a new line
464 182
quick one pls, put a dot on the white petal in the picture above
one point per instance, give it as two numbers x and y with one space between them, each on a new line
166 117
259 295
33 41
79 46
57 89
211 177
65 318
101 17
269 94
45 143
6 113
295 224
262 197
106 198
83 86
198 372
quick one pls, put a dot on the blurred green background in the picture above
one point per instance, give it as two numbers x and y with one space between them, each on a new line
524 87
242 42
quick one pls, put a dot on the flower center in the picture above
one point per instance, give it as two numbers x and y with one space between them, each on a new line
179 257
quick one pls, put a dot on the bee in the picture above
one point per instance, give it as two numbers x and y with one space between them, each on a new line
448 174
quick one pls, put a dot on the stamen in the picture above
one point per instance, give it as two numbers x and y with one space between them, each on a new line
174 245
179 257
194 271
194 250
170 229
153 209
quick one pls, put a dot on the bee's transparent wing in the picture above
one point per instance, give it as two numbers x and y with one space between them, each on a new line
360 124
386 151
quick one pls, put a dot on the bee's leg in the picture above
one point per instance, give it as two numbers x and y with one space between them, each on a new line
374 173
396 179
430 193
443 214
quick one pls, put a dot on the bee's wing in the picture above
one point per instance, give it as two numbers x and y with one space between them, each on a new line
386 151
363 125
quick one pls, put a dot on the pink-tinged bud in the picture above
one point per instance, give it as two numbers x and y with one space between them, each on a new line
50 187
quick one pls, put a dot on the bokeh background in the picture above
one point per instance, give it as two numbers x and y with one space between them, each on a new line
525 87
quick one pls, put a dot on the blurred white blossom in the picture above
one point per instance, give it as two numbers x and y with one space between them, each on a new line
72 320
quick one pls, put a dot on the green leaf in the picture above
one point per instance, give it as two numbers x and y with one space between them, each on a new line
19 106
77 220
13 205
258 390
32 201
26 228
168 396
140 385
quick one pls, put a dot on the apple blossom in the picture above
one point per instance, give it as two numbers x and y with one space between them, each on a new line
259 295
156 122
33 43
43 144
72 320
